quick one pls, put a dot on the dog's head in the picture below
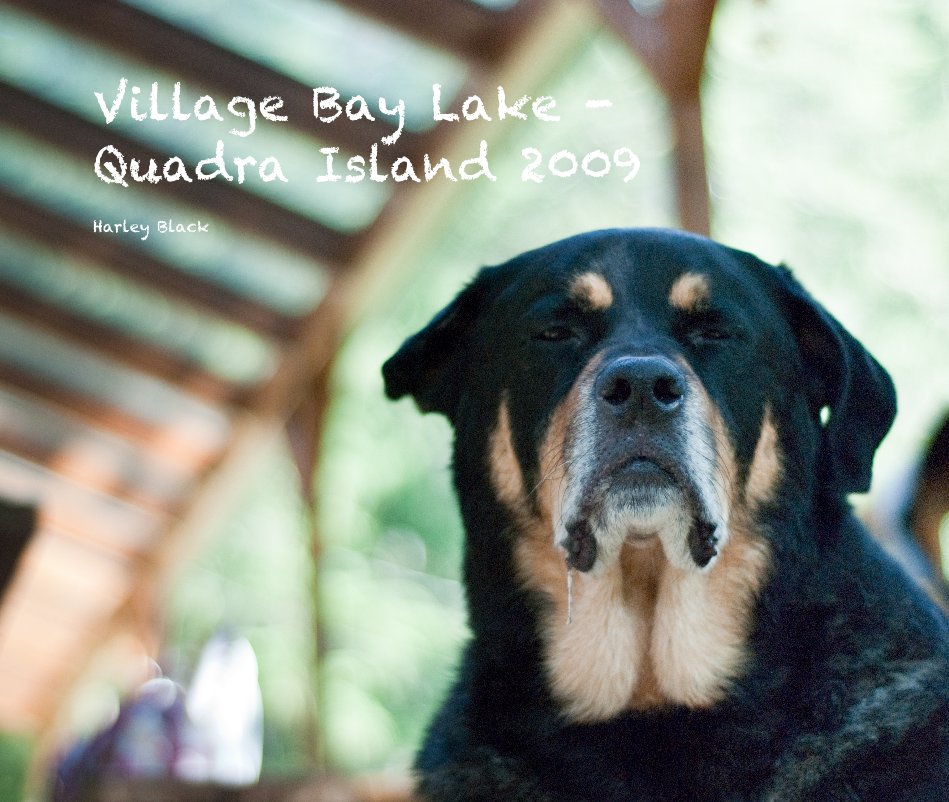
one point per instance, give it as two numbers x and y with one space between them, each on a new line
645 392
653 380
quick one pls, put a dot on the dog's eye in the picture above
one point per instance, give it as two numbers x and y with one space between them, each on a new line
706 328
703 336
554 334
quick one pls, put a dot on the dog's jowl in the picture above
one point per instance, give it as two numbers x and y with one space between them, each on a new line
669 597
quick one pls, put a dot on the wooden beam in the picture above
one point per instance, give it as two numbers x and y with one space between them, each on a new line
177 444
121 347
304 430
48 654
61 672
99 520
60 576
320 334
129 30
84 474
106 466
671 44
111 254
471 31
250 212
691 176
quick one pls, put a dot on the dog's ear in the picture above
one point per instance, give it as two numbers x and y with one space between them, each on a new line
429 363
849 391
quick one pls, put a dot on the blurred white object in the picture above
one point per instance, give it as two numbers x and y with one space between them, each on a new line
226 714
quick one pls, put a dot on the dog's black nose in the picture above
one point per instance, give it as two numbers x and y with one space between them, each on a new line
641 386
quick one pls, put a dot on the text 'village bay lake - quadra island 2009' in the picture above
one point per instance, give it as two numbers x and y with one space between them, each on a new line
247 114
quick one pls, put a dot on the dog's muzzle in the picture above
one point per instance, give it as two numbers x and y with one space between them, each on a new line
642 466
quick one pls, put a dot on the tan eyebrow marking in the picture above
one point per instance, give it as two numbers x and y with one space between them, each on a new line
592 291
689 292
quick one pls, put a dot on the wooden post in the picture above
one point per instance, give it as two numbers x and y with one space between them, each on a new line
671 42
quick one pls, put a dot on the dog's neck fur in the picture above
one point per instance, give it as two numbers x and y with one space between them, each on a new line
643 634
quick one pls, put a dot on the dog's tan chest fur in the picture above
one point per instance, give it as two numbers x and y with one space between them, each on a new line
644 634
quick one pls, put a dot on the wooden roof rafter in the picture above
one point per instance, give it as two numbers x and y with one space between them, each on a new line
57 232
118 346
166 442
478 34
179 52
253 213
89 475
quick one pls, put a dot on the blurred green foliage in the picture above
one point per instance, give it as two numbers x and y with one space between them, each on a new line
14 755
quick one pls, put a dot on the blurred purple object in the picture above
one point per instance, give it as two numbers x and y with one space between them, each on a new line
214 734
149 736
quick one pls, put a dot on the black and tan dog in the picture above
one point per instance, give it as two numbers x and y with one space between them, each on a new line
669 596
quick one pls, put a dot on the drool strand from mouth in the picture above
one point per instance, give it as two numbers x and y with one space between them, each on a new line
580 545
